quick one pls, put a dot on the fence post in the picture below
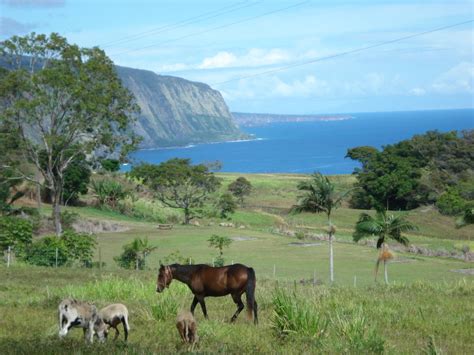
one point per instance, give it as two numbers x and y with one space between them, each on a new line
314 278
100 259
213 264
190 261
274 271
355 281
56 257
9 251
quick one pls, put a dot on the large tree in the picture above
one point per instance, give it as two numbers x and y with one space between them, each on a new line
383 227
320 196
66 101
240 188
178 184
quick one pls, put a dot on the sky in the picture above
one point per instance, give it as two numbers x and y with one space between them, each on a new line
256 52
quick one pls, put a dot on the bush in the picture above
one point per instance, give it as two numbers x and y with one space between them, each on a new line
68 218
134 254
16 233
111 165
49 251
80 247
451 202
65 250
109 192
176 258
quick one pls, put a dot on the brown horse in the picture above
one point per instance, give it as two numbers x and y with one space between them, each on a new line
204 281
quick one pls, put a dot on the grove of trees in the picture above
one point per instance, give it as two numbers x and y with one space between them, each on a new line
61 101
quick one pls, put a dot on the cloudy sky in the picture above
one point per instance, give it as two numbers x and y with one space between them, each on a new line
267 55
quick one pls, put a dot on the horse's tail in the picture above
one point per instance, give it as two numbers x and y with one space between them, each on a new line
251 304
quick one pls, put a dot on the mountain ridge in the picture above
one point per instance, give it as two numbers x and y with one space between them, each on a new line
176 111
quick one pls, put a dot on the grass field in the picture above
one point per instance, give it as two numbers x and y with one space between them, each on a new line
420 317
427 307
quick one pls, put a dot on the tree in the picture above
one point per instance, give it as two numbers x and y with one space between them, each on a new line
9 161
466 218
240 188
384 227
64 100
178 184
226 205
111 165
219 242
320 196
76 178
134 254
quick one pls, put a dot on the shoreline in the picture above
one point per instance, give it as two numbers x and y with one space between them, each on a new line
192 145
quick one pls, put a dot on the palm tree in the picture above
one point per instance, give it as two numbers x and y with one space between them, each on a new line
320 197
384 227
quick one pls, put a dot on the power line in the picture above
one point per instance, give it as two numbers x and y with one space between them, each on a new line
191 20
356 50
214 28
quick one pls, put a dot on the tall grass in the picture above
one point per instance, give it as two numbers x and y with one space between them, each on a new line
296 316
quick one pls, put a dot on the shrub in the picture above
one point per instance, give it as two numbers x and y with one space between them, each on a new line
134 254
109 192
111 165
49 251
15 232
80 247
176 258
65 250
451 202
68 218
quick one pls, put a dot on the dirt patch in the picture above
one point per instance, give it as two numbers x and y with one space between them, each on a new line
464 271
96 226
304 244
240 239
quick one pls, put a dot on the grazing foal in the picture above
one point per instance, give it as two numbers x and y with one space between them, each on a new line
205 281
187 327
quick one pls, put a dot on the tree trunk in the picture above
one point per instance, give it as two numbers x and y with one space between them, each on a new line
385 271
57 211
331 251
187 216
331 259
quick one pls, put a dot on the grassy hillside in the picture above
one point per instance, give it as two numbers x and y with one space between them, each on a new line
428 306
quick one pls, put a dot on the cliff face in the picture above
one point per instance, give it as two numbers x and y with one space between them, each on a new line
176 111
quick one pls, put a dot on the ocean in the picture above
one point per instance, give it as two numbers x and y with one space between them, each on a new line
306 147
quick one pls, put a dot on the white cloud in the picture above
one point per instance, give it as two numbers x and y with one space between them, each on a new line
417 91
459 79
255 57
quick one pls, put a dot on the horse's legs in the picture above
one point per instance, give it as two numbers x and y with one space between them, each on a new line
255 317
203 306
193 305
240 305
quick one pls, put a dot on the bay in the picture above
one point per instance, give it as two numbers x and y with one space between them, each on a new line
305 147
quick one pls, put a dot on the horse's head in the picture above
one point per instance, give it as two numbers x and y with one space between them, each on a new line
165 276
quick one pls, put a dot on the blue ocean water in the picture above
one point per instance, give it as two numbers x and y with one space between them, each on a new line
305 147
